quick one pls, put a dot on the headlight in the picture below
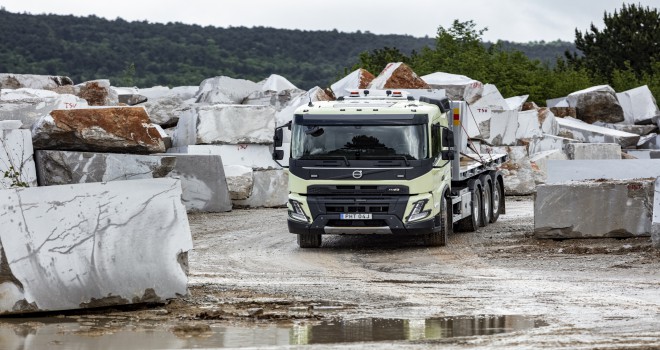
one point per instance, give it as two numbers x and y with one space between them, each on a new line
417 213
297 213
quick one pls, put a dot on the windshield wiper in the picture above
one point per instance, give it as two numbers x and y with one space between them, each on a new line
405 159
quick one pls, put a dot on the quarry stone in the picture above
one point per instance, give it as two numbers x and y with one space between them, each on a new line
594 209
249 155
203 183
639 105
598 103
17 167
591 151
29 105
108 129
33 81
583 132
225 90
357 79
101 244
457 87
398 75
270 189
610 169
240 181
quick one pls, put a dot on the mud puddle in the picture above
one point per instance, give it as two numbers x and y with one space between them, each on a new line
65 333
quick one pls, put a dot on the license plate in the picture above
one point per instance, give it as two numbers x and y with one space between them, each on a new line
357 216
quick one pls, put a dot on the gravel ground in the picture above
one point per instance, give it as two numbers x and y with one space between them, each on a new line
249 280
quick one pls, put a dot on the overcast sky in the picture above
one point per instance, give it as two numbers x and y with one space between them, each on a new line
513 20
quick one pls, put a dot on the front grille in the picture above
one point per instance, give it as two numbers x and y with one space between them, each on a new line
357 223
356 209
370 190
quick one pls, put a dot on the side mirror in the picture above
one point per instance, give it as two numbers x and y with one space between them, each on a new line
278 137
447 155
278 154
447 138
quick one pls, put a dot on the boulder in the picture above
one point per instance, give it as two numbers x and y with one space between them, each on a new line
548 143
275 91
165 105
639 105
93 245
633 129
249 155
270 190
225 90
398 76
66 167
594 209
108 129
98 93
203 183
562 112
358 79
610 169
591 151
29 105
32 81
240 181
577 130
285 115
598 103
17 167
225 124
516 103
457 87
517 171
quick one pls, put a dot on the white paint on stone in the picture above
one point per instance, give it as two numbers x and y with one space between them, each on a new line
78 246
594 209
16 153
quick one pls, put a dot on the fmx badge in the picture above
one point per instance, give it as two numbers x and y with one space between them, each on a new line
357 174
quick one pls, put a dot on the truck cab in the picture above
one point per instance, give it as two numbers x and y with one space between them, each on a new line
371 163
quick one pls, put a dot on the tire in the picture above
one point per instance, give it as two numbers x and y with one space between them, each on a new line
486 204
309 241
498 198
472 222
439 237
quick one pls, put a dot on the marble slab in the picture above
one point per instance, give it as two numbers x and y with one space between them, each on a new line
17 167
575 129
92 245
561 171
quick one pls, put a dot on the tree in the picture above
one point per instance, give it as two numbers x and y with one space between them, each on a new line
629 41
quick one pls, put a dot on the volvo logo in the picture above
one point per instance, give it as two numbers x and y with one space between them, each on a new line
357 174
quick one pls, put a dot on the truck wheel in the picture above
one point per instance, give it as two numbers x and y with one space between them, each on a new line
309 241
486 204
498 198
439 238
471 223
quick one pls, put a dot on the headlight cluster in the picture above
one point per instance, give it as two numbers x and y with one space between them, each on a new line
417 213
297 213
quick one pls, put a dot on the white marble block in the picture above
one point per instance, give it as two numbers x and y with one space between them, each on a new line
540 163
17 167
590 151
457 87
614 169
240 181
357 79
517 171
577 130
548 143
225 90
29 105
594 209
90 245
249 155
225 124
203 183
655 224
270 189
639 105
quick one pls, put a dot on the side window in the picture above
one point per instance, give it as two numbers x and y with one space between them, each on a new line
436 140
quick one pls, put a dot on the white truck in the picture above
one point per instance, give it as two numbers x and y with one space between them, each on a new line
387 162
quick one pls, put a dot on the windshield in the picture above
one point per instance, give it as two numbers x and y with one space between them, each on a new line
359 142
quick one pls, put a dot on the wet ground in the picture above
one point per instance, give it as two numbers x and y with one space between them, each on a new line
251 286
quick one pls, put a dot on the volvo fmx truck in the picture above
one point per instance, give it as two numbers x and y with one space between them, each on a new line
387 162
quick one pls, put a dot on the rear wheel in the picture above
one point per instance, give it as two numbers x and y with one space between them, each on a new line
472 222
498 198
438 238
486 204
309 241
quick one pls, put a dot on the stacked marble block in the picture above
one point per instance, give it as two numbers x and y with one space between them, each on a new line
17 167
243 136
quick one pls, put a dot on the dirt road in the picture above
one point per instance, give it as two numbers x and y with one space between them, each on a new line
251 285
591 293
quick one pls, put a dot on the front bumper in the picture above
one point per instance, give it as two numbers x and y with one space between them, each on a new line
327 224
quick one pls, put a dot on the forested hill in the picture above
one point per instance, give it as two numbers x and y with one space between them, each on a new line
86 48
